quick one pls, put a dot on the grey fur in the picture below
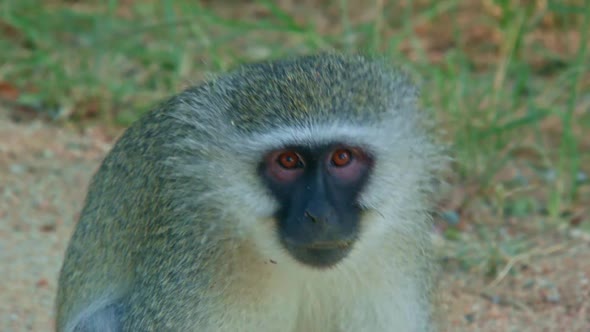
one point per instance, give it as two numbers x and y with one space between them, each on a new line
177 232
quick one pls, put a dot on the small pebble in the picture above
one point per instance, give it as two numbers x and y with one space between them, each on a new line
18 168
451 217
495 299
46 228
528 284
550 175
553 295
48 154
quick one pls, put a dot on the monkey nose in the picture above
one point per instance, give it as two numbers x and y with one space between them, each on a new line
322 219
311 217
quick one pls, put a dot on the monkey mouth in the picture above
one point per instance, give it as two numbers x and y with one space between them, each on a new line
322 254
343 244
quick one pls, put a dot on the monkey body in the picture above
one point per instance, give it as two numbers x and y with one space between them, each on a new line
189 226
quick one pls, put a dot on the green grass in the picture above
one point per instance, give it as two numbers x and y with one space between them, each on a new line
514 109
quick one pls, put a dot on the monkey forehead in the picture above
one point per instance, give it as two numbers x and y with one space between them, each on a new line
312 135
313 88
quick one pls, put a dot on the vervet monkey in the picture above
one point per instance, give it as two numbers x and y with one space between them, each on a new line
287 195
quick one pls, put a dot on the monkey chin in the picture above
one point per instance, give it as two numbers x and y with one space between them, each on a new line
320 255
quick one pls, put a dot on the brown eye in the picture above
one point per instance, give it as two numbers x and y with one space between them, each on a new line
289 160
341 157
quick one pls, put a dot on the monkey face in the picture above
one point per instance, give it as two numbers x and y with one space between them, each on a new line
318 190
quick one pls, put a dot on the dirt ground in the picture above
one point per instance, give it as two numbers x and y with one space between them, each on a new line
44 171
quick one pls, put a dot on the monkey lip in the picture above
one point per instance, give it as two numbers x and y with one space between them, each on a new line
320 244
320 254
329 245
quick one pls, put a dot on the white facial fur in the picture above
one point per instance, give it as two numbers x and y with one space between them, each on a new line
377 275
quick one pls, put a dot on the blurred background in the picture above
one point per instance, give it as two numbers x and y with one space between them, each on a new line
508 82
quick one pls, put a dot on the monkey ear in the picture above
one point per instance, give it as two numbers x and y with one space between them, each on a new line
105 319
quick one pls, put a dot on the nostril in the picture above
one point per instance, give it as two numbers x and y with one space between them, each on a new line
311 217
315 219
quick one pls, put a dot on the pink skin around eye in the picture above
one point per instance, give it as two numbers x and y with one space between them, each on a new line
280 173
353 170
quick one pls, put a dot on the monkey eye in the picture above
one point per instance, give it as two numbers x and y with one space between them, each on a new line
284 166
348 164
341 157
290 160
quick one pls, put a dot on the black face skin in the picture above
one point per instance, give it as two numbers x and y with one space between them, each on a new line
317 188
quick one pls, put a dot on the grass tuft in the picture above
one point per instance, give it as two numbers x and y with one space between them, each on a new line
507 80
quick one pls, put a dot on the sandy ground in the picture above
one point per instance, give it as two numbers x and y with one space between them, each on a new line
44 171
